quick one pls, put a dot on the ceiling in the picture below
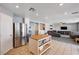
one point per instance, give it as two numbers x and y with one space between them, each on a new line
49 12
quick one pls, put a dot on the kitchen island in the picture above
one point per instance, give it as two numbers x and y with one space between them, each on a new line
38 44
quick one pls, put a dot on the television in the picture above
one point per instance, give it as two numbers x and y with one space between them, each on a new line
64 28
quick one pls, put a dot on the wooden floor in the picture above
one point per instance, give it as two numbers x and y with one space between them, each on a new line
58 48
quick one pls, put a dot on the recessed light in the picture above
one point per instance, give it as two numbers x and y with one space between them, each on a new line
17 6
61 4
65 13
36 14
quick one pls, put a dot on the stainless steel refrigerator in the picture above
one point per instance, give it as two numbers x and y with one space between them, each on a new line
24 34
19 34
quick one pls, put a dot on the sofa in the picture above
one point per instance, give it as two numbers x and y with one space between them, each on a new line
53 34
74 35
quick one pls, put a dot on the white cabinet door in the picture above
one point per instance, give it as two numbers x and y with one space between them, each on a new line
6 33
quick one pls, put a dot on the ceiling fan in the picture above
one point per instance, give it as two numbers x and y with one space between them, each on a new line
32 9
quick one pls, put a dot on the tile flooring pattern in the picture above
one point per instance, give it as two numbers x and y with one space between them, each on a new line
58 48
66 40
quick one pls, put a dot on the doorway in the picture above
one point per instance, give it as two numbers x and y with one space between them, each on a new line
34 28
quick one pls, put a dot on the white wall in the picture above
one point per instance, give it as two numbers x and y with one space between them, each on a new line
17 19
6 41
0 36
70 26
73 27
27 20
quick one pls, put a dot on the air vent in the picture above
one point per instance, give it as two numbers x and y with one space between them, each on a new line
77 12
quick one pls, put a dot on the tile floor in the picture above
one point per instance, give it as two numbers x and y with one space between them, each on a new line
58 48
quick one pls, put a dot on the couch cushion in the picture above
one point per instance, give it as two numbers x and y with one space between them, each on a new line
75 33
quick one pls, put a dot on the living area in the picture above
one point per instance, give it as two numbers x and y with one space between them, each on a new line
65 30
39 29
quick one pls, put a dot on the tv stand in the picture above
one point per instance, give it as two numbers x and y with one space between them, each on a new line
64 32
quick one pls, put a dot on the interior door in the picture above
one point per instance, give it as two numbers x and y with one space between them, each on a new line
6 33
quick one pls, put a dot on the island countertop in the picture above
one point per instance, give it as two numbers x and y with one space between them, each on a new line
39 36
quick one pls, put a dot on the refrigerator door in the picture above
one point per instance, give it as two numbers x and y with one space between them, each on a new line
24 34
16 35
